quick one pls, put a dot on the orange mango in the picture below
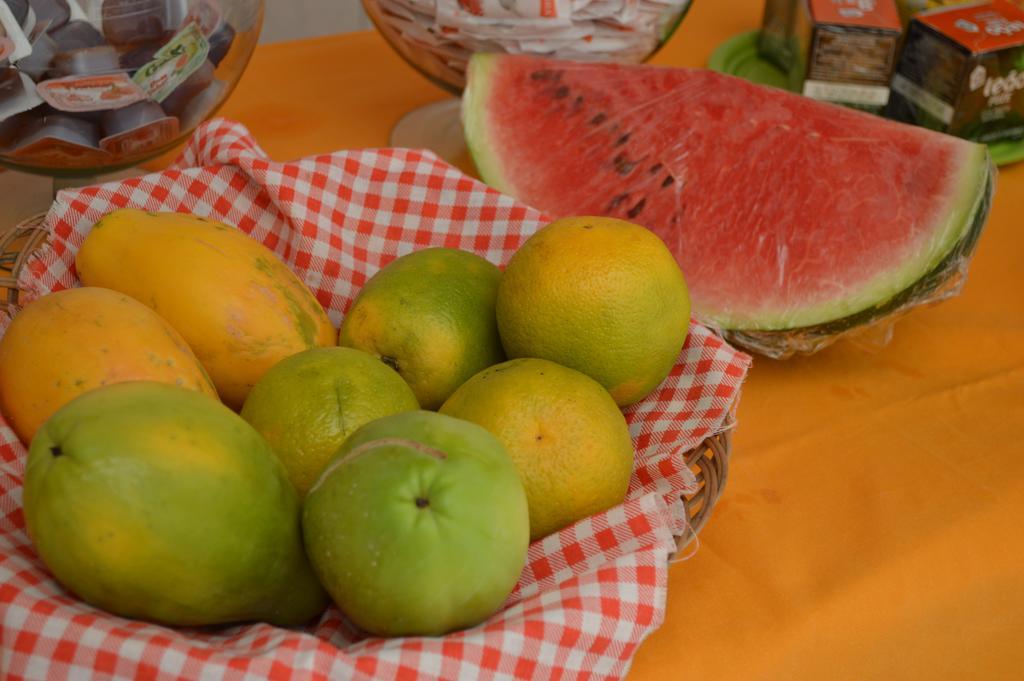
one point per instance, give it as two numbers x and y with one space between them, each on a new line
69 342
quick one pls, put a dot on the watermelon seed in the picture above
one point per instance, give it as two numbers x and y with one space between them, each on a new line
562 92
577 104
599 119
623 166
668 181
614 203
655 168
635 210
622 140
543 74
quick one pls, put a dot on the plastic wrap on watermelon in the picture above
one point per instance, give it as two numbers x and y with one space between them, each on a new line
872 327
796 222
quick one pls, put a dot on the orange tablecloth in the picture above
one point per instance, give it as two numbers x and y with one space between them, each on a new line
871 524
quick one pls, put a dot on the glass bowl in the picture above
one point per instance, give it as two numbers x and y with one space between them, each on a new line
437 37
92 86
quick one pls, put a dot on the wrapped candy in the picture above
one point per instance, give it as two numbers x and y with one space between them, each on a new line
439 35
60 139
80 88
137 128
86 61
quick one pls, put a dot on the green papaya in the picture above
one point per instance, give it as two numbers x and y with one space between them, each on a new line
159 503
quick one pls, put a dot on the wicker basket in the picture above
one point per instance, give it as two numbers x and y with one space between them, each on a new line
16 245
709 461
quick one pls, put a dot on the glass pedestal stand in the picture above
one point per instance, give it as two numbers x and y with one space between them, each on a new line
437 127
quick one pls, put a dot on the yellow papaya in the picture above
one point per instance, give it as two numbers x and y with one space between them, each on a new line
69 342
236 304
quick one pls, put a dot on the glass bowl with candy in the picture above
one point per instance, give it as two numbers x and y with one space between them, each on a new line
437 37
93 86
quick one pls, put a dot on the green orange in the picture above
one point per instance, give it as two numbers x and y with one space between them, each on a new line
308 404
430 316
600 295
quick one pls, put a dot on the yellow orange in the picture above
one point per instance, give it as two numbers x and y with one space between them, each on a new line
600 295
566 435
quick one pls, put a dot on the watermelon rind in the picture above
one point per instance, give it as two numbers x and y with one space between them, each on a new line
955 230
474 120
943 281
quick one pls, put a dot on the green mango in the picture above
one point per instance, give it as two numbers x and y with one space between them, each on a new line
159 503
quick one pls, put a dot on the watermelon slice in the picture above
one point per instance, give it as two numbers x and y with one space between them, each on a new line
793 220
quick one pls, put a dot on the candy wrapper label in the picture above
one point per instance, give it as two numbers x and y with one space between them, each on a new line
91 93
53 151
12 31
143 138
173 63
508 9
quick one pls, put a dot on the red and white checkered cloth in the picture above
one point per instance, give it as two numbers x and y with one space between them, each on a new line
589 594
